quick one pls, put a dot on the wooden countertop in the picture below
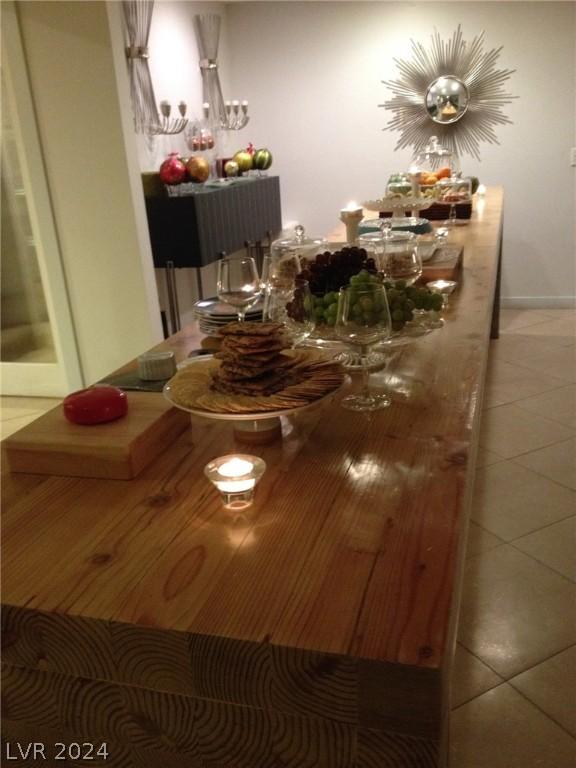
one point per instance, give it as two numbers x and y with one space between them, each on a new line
353 543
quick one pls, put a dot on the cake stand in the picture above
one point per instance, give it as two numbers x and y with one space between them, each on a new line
255 428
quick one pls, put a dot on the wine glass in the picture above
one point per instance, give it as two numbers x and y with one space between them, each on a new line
363 319
398 258
294 309
238 283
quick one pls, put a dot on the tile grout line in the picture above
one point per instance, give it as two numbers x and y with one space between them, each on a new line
540 474
543 711
532 666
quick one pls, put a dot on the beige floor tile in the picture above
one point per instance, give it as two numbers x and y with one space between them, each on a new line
480 540
515 612
469 677
564 327
485 458
558 405
500 729
557 462
559 363
10 404
560 313
511 501
507 382
552 687
511 431
515 347
512 319
555 546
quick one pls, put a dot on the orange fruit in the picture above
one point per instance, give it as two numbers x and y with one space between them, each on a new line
443 173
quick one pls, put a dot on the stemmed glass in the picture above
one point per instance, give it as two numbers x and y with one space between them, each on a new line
238 283
363 319
293 308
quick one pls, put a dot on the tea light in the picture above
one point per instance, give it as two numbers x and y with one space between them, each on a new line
351 216
444 287
235 476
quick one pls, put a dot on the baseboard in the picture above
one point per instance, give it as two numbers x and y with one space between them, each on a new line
538 302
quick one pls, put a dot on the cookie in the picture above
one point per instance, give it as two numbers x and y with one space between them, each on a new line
250 329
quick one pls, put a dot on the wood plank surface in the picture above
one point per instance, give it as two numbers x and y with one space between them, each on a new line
120 449
319 623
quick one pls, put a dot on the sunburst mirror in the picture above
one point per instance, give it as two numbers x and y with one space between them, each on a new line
453 90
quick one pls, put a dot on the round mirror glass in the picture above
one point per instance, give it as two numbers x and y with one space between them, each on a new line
446 99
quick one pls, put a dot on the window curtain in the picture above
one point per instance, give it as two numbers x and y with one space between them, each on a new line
138 17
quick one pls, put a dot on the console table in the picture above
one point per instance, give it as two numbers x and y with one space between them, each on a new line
194 230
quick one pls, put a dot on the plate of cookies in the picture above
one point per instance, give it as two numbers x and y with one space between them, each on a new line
255 374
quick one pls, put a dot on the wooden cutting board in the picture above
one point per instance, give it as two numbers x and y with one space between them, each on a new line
445 264
121 449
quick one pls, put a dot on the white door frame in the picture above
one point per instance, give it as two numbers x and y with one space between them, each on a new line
38 379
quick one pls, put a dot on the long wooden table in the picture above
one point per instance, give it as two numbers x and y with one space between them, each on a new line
315 629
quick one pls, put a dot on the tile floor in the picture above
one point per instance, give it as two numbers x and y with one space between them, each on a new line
514 679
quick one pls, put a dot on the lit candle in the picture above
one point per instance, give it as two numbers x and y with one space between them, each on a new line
235 476
351 216
236 468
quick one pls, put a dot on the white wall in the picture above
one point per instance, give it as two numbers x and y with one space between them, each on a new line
312 73
107 264
174 68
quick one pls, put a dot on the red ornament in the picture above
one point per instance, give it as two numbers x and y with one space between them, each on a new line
173 170
95 405
250 149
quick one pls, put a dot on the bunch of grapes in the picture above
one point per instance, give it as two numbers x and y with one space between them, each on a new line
331 271
403 300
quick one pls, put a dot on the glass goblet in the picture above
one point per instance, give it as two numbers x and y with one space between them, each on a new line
294 310
398 258
363 319
238 283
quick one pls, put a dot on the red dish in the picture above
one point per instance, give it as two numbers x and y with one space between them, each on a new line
96 405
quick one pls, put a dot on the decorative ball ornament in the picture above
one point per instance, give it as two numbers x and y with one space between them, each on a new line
453 90
173 170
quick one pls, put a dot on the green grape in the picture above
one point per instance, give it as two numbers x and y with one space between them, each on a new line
410 305
420 301
436 302
368 318
331 310
363 276
398 316
355 279
392 294
367 303
408 315
331 319
319 313
400 285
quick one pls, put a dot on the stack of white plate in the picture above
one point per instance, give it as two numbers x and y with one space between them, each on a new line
212 314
